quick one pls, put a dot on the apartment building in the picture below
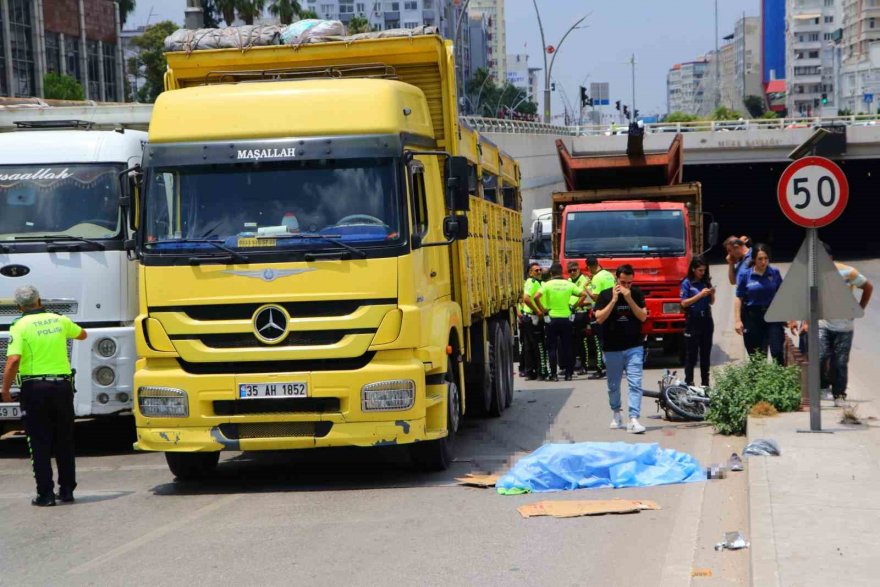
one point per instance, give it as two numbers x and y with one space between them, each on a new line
497 58
811 69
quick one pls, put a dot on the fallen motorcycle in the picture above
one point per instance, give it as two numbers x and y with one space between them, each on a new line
685 401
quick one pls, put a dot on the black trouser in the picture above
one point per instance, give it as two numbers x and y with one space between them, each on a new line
579 338
533 347
698 330
595 340
759 335
559 345
47 411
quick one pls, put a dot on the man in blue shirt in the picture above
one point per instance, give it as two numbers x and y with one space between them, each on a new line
738 256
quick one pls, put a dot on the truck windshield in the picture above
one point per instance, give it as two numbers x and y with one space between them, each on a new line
273 207
77 201
628 233
543 247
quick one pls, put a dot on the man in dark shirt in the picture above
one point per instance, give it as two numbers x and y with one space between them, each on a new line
621 312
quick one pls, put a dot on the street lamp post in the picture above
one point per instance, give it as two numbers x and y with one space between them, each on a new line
459 48
549 70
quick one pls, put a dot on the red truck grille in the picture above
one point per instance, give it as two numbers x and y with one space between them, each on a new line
658 290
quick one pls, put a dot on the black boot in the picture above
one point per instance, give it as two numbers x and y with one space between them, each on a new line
65 496
44 500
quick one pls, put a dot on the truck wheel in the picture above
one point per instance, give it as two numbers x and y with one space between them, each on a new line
511 349
192 466
500 367
437 455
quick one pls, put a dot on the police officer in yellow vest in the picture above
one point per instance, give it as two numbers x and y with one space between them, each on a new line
581 318
554 299
38 352
534 354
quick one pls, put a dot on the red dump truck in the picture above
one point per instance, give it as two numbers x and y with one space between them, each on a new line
633 208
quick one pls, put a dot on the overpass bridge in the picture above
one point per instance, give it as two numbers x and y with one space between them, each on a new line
738 162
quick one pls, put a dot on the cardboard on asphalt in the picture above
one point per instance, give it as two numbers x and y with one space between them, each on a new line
792 301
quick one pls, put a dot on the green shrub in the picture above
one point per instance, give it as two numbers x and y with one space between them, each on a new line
62 87
739 386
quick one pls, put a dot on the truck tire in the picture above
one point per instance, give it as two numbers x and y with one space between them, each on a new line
437 455
192 466
500 367
477 374
510 345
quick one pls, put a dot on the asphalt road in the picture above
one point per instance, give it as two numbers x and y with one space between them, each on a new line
362 517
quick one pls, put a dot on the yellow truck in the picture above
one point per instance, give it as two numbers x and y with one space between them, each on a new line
327 255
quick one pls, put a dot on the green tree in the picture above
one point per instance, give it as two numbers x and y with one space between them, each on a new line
249 9
227 10
359 24
285 10
769 115
62 87
845 112
678 116
126 7
725 113
211 13
755 105
307 14
150 63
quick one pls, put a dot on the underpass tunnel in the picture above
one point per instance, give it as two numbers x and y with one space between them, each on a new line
742 198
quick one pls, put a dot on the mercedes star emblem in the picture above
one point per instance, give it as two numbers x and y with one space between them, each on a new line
270 324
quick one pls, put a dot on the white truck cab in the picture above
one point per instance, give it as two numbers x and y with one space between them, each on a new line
62 230
540 241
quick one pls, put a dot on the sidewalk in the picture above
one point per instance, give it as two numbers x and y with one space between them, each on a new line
814 512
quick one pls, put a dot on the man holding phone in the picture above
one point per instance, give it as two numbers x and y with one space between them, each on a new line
621 311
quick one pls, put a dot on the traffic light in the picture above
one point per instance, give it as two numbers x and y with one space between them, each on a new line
584 98
552 86
589 101
824 99
635 113
626 110
617 105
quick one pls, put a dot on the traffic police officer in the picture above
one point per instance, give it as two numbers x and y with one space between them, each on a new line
535 355
581 317
600 280
38 352
554 299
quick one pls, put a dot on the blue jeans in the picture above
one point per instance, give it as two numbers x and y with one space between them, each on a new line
631 360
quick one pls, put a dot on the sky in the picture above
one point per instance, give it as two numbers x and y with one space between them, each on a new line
660 33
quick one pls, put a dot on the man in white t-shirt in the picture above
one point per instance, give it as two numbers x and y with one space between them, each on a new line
836 336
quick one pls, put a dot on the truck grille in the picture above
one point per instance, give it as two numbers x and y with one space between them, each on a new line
227 368
295 309
658 291
68 307
276 430
247 340
311 405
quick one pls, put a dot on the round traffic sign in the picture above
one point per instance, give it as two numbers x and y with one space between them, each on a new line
813 192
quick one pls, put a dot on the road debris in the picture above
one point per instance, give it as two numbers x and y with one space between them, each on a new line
590 507
762 447
701 572
472 480
735 463
732 541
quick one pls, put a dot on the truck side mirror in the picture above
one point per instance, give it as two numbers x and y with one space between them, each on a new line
713 234
539 230
457 177
456 227
129 186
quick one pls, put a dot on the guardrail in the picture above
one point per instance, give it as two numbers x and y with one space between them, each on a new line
524 127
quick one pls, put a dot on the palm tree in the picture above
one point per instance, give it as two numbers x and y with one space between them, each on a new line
125 8
249 9
359 24
303 15
285 10
227 9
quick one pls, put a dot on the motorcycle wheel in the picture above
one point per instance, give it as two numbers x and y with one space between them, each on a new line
681 400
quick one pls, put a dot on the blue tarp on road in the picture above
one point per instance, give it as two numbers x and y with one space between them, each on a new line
555 467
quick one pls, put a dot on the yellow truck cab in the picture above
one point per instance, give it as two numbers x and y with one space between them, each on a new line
327 255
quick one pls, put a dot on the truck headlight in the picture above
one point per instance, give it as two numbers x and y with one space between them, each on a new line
672 308
105 376
162 402
387 396
106 347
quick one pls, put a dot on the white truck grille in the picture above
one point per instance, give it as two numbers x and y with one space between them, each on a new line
58 307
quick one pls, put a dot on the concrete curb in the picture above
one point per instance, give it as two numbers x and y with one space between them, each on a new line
762 552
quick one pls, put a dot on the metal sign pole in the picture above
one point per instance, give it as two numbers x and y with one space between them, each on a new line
813 333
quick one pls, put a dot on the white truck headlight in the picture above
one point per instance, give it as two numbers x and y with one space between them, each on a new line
106 347
104 376
162 402
388 396
672 308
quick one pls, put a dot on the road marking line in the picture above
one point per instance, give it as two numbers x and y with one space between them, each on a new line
152 535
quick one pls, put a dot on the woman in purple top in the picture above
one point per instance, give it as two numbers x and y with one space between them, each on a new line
755 290
697 297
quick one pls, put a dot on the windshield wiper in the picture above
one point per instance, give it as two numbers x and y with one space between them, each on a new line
53 238
217 244
332 238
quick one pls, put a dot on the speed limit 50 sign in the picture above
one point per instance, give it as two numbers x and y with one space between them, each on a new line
813 192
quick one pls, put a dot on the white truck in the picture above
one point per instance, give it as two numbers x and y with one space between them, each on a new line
63 231
540 249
